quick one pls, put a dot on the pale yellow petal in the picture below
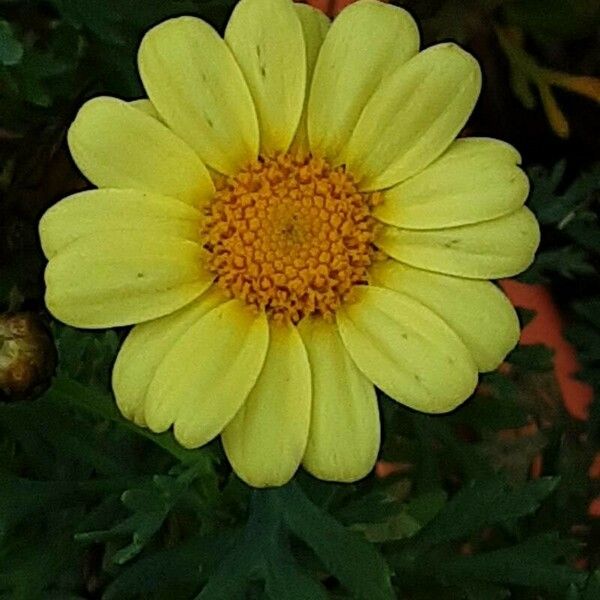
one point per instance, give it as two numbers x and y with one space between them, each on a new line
117 145
266 439
266 39
197 87
107 210
476 179
477 311
123 277
413 116
407 351
490 250
344 435
314 26
146 346
207 375
366 42
145 106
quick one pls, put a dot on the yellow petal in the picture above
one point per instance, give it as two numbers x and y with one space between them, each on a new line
117 145
197 87
107 210
145 106
344 435
123 277
489 250
146 346
266 39
407 351
475 180
314 26
366 42
208 373
266 440
477 311
413 116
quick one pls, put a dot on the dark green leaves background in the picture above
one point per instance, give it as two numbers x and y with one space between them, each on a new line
93 507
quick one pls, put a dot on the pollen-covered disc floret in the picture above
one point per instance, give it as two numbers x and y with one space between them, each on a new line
290 235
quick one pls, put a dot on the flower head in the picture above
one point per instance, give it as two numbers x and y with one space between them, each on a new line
288 221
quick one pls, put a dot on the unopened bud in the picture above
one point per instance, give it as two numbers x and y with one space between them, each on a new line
27 355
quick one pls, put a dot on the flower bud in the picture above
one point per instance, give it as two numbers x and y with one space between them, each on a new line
27 355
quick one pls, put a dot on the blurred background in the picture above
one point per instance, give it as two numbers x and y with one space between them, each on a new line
500 499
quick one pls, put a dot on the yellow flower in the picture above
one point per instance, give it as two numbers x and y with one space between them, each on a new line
245 219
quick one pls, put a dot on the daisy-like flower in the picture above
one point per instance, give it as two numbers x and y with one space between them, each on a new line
289 221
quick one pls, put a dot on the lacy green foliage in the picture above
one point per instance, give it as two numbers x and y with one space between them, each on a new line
569 217
92 506
530 562
584 332
45 69
90 502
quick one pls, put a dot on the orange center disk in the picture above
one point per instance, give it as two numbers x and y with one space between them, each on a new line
290 235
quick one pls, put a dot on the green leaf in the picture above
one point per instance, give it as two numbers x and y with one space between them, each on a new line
263 552
480 504
572 231
11 49
586 339
68 392
285 580
477 590
498 410
552 206
424 507
428 476
32 561
584 230
536 357
590 310
532 563
377 504
398 527
150 506
234 574
569 262
20 498
408 518
86 356
433 431
592 587
347 555
180 569
536 563
544 200
526 315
